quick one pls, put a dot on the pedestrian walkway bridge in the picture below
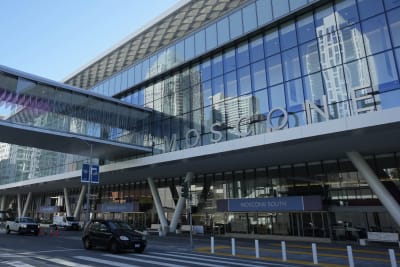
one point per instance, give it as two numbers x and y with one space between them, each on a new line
37 112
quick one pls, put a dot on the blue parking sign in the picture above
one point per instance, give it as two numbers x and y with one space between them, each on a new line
95 174
85 173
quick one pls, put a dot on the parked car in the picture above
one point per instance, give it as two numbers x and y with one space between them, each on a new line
113 235
66 222
22 225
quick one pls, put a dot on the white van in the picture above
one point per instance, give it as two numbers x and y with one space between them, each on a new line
67 222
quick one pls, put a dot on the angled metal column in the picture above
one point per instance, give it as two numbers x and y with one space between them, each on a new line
27 203
19 205
159 208
180 205
79 203
376 186
66 200
2 206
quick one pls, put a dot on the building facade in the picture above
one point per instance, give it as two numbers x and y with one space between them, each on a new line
268 97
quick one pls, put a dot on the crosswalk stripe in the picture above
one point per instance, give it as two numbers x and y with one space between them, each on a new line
177 260
236 259
145 261
18 264
196 257
62 262
112 263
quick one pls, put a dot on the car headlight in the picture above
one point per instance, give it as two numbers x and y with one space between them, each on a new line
143 237
124 238
23 225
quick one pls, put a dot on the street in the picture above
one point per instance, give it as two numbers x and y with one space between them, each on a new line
66 249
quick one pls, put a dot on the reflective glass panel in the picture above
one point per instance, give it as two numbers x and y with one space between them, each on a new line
230 84
180 52
376 35
288 35
235 24
313 88
229 60
138 73
244 80
294 95
277 97
264 11
352 44
261 102
217 68
206 70
256 49
383 71
189 47
394 24
335 84
170 57
305 28
200 42
274 70
223 31
346 13
357 74
242 54
131 76
218 89
309 57
389 99
152 67
207 93
249 20
280 7
161 61
368 8
329 50
389 4
324 20
294 4
271 43
291 64
259 75
211 36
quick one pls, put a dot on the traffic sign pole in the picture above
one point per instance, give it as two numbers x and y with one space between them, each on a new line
87 214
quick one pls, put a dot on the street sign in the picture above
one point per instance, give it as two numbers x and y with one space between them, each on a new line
85 173
95 174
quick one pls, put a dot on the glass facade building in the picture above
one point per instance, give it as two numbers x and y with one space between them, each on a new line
261 68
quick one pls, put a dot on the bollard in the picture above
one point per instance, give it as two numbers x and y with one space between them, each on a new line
257 249
392 256
314 253
233 247
350 255
212 245
284 257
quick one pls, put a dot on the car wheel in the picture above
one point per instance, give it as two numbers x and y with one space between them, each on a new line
114 247
8 230
86 243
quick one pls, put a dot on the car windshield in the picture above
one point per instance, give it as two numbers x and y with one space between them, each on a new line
120 225
26 220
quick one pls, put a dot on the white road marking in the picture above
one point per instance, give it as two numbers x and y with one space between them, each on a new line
18 264
62 262
162 263
112 263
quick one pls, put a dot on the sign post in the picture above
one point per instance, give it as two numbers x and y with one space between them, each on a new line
90 174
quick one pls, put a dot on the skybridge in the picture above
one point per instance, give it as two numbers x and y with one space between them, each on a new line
37 112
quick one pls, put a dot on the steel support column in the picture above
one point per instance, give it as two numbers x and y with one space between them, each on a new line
19 205
376 185
180 205
80 202
157 203
66 200
27 203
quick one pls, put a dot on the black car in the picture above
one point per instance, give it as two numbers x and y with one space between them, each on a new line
113 235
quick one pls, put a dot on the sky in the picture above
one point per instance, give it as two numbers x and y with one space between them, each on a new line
54 38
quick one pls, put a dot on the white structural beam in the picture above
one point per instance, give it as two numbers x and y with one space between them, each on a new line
375 184
66 200
27 203
2 207
80 202
157 203
19 205
180 204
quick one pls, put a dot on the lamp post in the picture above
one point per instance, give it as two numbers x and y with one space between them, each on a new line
87 213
